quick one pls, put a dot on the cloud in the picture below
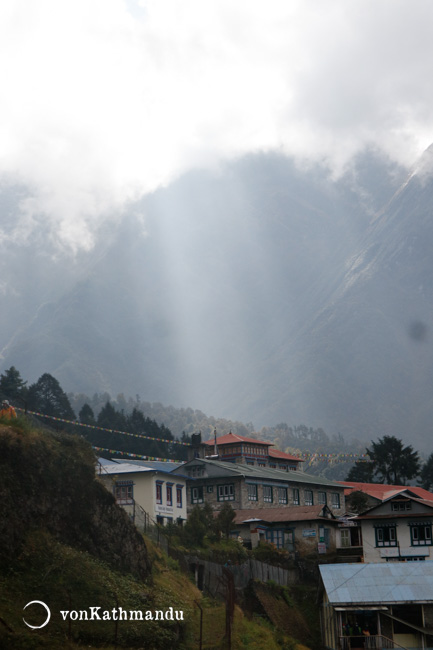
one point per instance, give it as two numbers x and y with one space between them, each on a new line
102 101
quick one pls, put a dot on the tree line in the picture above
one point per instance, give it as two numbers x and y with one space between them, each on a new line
47 397
390 461
393 463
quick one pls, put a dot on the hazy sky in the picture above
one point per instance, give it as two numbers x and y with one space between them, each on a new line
102 101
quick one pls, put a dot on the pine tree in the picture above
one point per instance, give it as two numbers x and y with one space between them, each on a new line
47 397
392 463
86 415
12 387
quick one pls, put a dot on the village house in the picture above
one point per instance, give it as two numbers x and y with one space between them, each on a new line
291 509
233 448
149 494
350 545
304 530
248 487
398 530
375 493
377 606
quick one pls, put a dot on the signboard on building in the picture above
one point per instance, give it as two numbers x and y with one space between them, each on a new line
166 509
418 551
321 547
390 552
344 522
309 532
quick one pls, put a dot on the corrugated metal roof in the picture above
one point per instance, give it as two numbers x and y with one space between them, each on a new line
254 471
163 466
282 514
378 583
124 468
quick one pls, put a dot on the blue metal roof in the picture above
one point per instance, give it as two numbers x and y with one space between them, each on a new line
378 583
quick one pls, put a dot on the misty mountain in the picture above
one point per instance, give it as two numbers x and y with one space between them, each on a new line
260 292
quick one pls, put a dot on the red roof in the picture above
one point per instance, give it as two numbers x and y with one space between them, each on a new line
276 453
232 438
382 491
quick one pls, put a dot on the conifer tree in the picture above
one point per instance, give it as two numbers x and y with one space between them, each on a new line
47 397
12 387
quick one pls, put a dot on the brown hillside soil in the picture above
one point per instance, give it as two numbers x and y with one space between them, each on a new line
286 618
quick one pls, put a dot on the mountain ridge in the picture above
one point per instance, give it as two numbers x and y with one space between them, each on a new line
263 293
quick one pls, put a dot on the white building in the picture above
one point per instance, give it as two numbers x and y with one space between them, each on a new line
398 530
143 490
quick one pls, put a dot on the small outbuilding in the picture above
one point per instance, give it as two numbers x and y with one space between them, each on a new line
377 605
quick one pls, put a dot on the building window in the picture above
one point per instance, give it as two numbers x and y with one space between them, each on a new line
267 493
321 498
160 520
226 492
275 537
159 492
345 537
197 495
335 500
169 495
398 506
386 536
260 463
209 489
196 470
123 493
295 497
420 534
272 466
282 495
308 496
252 492
179 496
283 467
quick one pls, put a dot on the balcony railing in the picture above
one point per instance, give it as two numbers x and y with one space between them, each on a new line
374 641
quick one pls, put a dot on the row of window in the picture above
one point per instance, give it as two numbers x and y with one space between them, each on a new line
285 537
168 494
262 463
281 496
224 493
420 535
124 493
271 494
243 449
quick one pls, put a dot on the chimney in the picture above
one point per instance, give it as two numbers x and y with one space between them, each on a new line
195 446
